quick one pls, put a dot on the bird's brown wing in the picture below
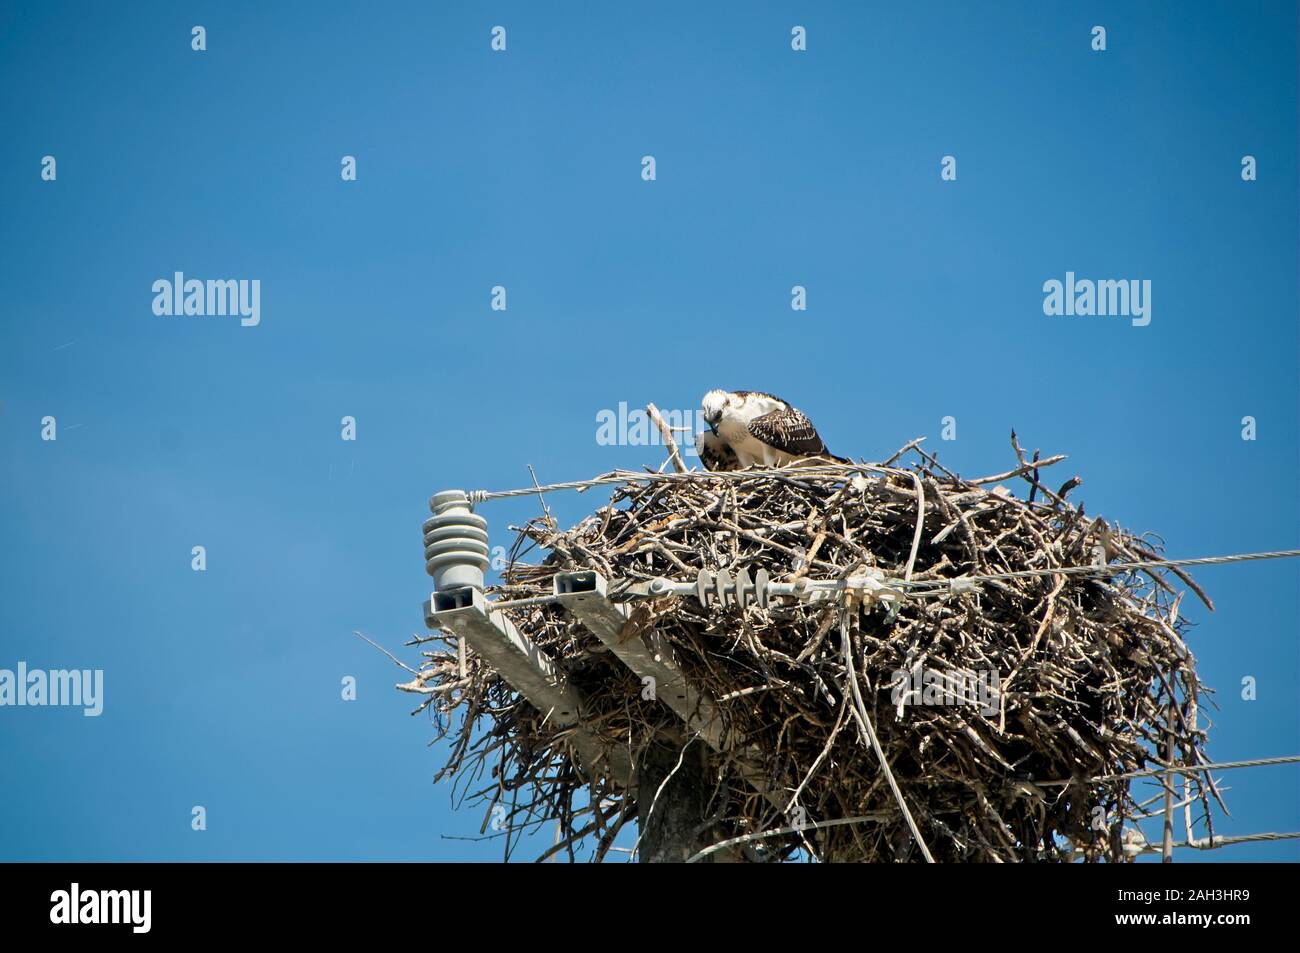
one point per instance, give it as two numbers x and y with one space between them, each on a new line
790 432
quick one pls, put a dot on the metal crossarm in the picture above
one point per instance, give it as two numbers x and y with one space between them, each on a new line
585 595
528 669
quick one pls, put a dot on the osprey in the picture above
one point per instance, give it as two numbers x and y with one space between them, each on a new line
758 429
715 453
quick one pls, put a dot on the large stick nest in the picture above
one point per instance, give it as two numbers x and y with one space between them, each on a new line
1095 678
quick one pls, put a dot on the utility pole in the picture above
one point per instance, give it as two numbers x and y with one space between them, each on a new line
672 798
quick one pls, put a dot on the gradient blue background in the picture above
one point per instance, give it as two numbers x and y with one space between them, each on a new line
523 169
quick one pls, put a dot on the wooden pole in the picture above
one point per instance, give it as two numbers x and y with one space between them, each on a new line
672 797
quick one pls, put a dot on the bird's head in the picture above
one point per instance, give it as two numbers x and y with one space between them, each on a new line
713 404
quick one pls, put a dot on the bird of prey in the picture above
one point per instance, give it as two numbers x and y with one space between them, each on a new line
762 430
715 453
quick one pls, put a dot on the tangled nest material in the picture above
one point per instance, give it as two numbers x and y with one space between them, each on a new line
1093 677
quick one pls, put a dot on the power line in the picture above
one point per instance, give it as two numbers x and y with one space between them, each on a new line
842 469
753 473
1166 769
932 587
1100 568
1199 843
635 476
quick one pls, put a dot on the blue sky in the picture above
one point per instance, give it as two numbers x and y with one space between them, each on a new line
522 169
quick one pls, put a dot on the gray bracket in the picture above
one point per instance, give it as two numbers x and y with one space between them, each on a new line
530 671
585 595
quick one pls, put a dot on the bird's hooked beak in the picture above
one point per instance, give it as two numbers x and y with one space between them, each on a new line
713 426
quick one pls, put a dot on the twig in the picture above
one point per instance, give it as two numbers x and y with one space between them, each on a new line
678 464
